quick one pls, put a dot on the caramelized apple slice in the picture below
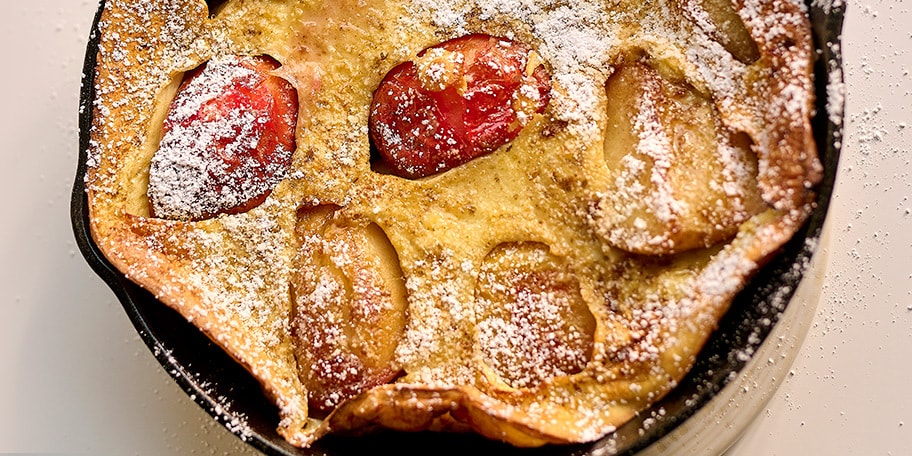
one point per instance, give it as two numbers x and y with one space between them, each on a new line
533 323
226 142
720 21
349 305
678 179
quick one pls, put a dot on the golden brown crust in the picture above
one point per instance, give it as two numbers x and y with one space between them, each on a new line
653 309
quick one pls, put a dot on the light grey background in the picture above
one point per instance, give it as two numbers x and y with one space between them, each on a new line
76 379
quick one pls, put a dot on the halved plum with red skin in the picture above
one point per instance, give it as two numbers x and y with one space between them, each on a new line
458 100
227 140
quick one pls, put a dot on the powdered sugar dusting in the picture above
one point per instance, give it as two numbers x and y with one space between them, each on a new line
569 358
204 164
575 39
177 45
445 320
248 296
655 144
534 325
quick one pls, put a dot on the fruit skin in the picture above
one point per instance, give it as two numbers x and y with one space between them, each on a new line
227 140
457 101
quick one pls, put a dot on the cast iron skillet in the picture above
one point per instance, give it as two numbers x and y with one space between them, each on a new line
224 389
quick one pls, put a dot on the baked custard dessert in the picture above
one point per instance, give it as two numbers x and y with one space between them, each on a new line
522 219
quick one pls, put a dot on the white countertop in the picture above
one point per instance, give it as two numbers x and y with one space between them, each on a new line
76 379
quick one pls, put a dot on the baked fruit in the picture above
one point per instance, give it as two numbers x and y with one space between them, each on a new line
456 101
226 141
521 219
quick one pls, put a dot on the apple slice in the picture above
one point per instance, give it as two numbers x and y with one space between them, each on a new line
226 142
678 179
533 323
457 101
720 20
349 306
